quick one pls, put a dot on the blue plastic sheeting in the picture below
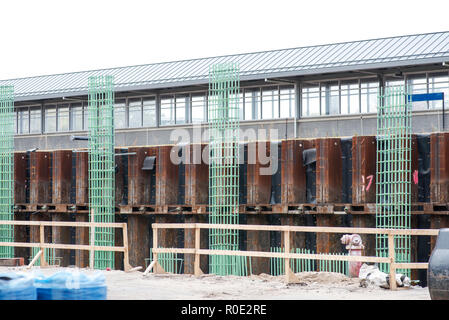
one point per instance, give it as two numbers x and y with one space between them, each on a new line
428 96
17 287
71 285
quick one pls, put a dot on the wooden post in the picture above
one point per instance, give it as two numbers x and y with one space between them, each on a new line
197 269
126 265
157 267
289 275
42 241
391 255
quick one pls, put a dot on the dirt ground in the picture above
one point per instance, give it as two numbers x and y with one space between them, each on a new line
313 286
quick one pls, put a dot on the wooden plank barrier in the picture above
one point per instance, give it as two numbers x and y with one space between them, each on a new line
289 275
90 247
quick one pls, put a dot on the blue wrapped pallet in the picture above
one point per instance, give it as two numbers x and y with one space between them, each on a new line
71 285
17 287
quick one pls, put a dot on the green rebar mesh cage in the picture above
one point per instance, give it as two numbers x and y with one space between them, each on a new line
6 168
224 125
393 183
102 165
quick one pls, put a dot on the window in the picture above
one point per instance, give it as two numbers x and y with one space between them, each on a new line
50 118
349 98
23 121
120 113
135 113
252 104
439 83
167 110
198 108
287 102
63 117
368 96
149 112
311 101
76 116
181 107
270 103
35 120
418 85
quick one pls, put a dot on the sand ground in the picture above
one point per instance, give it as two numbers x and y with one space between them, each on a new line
313 285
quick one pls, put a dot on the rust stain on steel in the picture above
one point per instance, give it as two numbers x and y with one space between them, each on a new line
363 169
414 168
258 185
82 237
119 175
439 167
82 177
328 170
20 166
196 175
139 241
139 181
62 176
293 172
167 177
40 184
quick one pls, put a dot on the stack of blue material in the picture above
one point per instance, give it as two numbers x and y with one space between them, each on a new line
17 287
71 285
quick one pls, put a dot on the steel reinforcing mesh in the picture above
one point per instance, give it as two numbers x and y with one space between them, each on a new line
393 183
6 168
102 165
224 124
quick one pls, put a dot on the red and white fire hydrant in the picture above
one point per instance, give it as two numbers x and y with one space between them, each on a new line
354 245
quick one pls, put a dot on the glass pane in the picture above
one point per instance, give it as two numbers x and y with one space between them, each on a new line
344 109
135 113
198 108
35 120
120 114
252 104
181 103
287 98
368 96
23 121
167 111
63 117
353 98
311 101
418 86
149 112
76 117
439 83
50 118
270 103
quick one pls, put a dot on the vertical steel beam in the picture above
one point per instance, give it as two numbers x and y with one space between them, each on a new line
139 241
62 176
439 167
139 181
258 184
189 242
82 178
196 176
167 177
363 169
258 241
20 167
82 237
40 180
293 171
328 170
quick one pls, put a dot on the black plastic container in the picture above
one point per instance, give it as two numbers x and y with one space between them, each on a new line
438 271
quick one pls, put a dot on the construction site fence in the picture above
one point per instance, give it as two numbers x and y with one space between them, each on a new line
91 247
287 255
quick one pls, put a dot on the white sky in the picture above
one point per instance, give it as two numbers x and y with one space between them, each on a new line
46 37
